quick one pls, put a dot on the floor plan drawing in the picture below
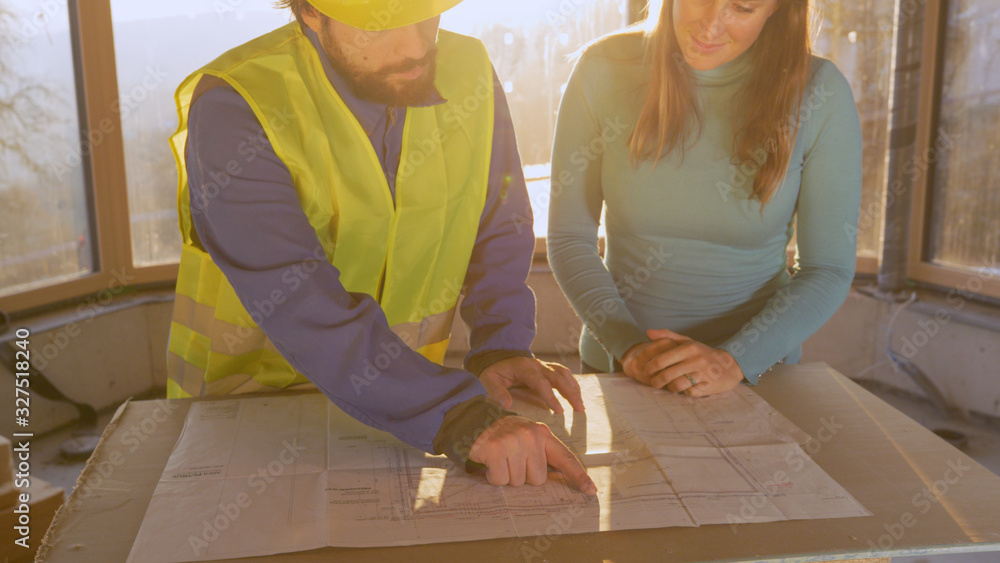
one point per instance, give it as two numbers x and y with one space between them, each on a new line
264 475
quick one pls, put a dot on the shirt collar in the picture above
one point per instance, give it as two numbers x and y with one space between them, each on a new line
367 112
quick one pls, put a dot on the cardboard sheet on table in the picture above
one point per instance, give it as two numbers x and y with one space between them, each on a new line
258 476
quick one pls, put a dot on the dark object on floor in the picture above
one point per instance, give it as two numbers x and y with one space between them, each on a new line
930 390
79 447
41 384
953 437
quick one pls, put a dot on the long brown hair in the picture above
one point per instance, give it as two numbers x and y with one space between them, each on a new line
769 104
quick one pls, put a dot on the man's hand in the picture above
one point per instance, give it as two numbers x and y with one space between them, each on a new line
682 365
516 451
538 375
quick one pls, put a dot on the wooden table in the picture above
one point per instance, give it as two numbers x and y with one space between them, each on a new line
927 497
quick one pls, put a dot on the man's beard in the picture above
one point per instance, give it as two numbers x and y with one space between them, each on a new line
376 86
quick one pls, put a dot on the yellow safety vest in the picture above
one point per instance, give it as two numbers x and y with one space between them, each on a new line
411 255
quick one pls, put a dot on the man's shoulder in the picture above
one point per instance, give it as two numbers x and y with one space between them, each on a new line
458 42
260 45
463 59
454 35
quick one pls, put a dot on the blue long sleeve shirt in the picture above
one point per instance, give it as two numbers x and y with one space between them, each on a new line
255 228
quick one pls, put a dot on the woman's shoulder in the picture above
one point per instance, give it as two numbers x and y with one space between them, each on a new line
610 70
624 45
828 100
828 91
611 63
826 77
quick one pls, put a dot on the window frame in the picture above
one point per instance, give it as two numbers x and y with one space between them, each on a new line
107 189
105 181
918 267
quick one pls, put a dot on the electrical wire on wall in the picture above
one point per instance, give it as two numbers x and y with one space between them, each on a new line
900 362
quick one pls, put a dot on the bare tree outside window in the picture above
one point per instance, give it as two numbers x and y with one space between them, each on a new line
531 43
156 46
531 52
858 37
45 222
965 197
44 217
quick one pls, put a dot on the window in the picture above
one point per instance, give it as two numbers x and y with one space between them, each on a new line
965 216
531 43
531 52
101 213
858 37
157 44
88 183
957 235
45 219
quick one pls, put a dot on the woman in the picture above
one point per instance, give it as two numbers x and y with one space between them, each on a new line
705 137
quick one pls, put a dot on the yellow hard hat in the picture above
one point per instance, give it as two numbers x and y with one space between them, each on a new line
376 15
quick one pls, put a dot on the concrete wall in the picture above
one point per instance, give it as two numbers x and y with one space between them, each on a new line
122 352
99 360
961 359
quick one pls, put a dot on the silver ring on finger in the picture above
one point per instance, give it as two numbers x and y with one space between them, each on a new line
691 379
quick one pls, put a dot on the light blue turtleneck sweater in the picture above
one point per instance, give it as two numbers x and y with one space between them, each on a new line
687 248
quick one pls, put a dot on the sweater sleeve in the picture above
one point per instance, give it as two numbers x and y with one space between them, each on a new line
498 306
253 226
575 204
828 206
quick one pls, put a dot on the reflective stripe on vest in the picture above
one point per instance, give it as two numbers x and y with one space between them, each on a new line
416 248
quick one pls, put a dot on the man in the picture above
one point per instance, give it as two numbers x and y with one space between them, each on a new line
343 179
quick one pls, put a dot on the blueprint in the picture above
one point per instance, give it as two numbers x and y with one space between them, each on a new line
731 458
264 475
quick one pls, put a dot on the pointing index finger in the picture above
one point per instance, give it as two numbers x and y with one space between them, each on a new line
563 460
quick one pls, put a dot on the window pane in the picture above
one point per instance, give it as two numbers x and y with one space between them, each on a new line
530 43
44 215
965 198
157 44
857 36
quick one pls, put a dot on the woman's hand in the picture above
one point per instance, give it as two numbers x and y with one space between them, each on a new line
637 357
682 365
